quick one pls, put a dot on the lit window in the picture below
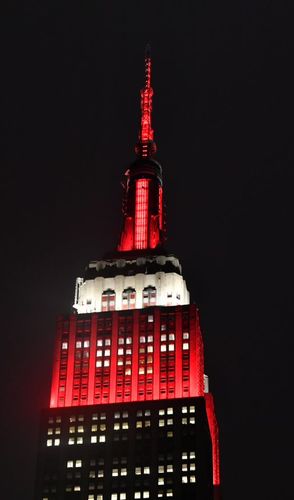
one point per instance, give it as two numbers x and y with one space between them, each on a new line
192 454
150 318
149 369
78 344
161 412
137 494
170 421
64 345
138 471
91 497
114 472
171 336
71 440
146 470
98 364
99 497
161 423
142 339
120 352
128 340
128 352
69 464
99 353
107 342
192 467
78 463
192 409
49 442
117 414
163 327
120 362
184 455
192 420
123 472
99 342
163 338
114 496
86 343
139 424
184 479
116 426
125 425
150 348
192 479
161 469
184 467
94 428
80 428
122 496
121 341
93 439
184 409
101 439
77 488
128 371
108 300
171 347
50 431
163 348
169 493
106 362
170 434
170 411
139 413
100 473
169 468
56 442
184 421
141 370
57 430
160 481
81 418
185 346
103 416
185 335
72 430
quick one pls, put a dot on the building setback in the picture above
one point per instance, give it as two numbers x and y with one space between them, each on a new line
131 415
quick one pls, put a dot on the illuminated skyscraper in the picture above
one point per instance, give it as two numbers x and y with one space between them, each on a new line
131 415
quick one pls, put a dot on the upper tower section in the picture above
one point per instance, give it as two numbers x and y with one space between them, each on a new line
143 224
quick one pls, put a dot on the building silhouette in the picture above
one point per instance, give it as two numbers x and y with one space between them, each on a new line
131 415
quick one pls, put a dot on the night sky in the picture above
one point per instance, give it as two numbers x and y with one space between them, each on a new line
223 119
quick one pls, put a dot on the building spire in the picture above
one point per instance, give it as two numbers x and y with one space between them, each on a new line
146 147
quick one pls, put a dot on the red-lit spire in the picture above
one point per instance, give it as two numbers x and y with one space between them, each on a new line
146 146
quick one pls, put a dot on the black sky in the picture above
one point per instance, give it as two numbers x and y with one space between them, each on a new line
223 119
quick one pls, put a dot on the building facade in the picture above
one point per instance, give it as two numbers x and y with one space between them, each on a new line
131 415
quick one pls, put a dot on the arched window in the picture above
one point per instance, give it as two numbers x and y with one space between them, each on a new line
108 300
129 298
149 296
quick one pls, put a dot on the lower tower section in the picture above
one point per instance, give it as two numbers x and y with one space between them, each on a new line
149 449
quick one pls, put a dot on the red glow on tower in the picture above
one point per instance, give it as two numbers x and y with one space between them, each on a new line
141 214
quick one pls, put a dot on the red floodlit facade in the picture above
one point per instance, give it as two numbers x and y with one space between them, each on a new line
133 342
124 356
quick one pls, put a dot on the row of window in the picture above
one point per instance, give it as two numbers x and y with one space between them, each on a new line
118 415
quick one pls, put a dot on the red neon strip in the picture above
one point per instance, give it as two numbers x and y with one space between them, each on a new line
56 367
113 359
179 355
92 360
160 211
135 360
71 360
213 427
141 213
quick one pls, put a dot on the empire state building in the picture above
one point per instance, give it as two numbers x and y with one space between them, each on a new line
131 415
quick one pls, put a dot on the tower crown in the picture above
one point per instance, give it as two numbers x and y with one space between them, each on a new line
143 225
